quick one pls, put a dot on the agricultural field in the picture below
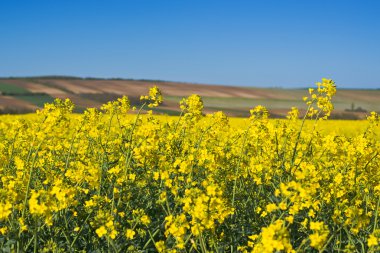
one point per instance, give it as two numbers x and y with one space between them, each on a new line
28 94
107 180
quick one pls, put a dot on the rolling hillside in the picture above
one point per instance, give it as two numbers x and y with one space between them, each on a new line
21 95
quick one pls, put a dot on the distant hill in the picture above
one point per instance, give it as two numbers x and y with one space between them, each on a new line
21 95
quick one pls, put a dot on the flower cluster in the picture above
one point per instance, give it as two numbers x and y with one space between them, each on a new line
154 97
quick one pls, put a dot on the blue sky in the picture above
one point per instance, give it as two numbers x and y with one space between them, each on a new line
281 43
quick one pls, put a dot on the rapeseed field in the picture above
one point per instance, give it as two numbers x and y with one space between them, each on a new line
109 181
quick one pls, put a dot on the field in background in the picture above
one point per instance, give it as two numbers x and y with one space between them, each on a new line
21 95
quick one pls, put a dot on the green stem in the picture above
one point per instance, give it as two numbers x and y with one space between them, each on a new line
239 161
30 180
376 215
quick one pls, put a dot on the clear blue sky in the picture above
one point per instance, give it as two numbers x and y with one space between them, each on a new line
283 43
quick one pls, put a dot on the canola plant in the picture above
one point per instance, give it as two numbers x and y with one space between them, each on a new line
105 182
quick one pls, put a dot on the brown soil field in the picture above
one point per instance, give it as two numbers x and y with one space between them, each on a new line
36 87
136 88
9 103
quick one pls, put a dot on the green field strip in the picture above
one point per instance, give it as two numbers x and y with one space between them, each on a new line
100 97
79 109
11 89
38 100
